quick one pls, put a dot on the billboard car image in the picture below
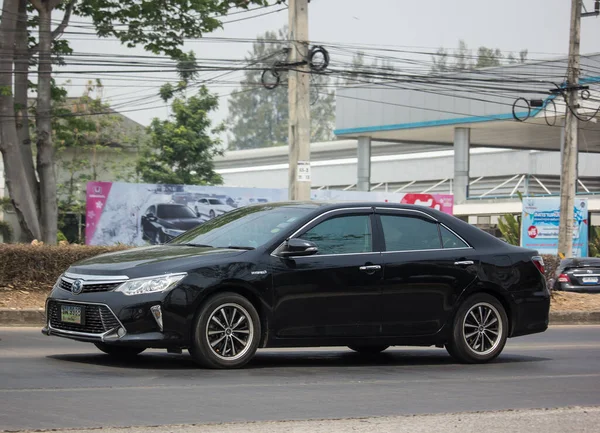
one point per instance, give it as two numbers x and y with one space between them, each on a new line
139 214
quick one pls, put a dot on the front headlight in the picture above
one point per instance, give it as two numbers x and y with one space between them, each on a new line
173 232
141 286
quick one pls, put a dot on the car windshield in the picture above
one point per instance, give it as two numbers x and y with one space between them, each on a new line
174 211
245 227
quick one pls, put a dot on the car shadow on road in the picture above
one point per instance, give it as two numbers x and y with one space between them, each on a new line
334 358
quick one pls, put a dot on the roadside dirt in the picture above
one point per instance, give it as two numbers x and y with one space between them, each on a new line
17 299
565 301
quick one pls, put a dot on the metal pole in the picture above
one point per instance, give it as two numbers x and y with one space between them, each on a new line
569 156
299 102
363 164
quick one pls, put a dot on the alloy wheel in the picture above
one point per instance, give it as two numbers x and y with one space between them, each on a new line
229 331
482 328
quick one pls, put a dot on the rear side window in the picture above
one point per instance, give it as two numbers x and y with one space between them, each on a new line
405 233
342 235
450 240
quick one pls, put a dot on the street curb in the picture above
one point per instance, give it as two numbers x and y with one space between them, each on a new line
575 318
34 317
30 317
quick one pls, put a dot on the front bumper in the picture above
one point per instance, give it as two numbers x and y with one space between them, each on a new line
156 340
114 318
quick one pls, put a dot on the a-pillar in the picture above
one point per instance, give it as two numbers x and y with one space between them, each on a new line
363 153
462 143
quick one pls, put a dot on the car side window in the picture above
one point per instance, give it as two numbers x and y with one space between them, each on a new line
406 233
342 235
450 240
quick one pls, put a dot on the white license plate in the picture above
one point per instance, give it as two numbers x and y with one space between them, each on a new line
590 280
71 314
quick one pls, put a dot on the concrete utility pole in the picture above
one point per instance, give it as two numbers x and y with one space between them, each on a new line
568 175
299 102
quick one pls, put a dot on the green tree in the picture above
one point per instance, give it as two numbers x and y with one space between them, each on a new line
181 149
157 25
510 227
88 141
258 117
594 245
487 57
462 59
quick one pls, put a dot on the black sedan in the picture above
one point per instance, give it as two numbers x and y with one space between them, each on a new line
363 275
163 222
578 275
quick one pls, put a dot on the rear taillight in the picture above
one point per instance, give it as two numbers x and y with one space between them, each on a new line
538 261
564 278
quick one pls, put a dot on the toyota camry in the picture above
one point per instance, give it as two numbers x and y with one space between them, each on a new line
363 275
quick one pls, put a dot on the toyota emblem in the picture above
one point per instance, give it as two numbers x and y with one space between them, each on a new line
77 287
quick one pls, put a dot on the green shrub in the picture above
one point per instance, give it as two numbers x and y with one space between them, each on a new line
37 267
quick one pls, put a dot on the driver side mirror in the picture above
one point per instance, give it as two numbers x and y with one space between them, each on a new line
150 217
297 247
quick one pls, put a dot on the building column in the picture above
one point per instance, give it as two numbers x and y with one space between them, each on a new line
363 181
462 143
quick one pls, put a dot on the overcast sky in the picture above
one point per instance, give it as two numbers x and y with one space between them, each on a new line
541 26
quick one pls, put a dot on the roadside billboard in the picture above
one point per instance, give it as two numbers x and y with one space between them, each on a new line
140 214
540 221
441 202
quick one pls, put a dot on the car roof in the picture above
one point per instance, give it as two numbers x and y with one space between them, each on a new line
580 261
475 236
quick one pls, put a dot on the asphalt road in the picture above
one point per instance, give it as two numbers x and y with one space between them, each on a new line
49 382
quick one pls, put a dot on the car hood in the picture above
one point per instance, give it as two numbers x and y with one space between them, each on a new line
181 223
154 260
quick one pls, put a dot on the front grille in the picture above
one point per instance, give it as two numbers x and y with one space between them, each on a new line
87 288
97 318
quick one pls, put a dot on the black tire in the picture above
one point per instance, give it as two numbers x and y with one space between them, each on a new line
211 214
472 325
119 351
221 355
368 350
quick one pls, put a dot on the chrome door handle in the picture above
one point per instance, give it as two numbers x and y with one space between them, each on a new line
370 268
464 263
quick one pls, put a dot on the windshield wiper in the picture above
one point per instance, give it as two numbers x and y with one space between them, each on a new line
236 247
190 244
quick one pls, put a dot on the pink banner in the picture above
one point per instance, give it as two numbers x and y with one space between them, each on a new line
441 202
97 194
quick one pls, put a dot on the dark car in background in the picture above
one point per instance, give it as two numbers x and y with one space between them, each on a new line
578 275
363 275
163 222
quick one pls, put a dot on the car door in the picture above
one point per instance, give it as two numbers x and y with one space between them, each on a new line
426 268
336 292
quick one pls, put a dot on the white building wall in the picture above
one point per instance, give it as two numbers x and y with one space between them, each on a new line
433 166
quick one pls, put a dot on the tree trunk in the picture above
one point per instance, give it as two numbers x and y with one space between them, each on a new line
45 157
16 180
21 103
